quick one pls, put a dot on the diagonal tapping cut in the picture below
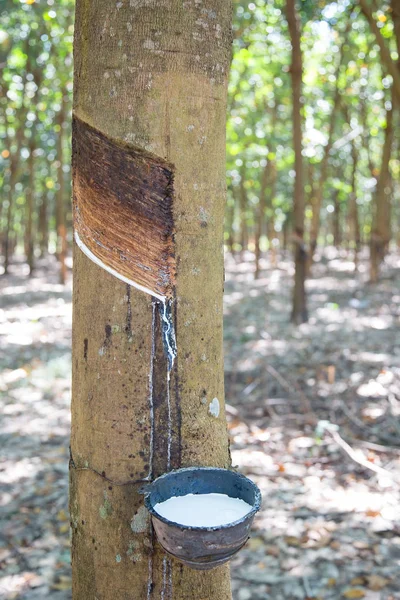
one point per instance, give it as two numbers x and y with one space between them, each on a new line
123 210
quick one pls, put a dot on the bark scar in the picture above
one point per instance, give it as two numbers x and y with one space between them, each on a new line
102 474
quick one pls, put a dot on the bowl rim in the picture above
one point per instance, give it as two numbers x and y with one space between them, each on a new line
256 507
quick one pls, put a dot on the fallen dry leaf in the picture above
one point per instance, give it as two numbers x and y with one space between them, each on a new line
358 581
273 550
254 543
292 541
62 515
376 582
372 513
355 593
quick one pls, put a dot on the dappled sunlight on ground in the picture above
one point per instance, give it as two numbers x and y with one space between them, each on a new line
329 527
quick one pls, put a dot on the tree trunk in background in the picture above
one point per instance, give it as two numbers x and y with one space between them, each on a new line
30 200
354 225
319 190
269 176
336 220
236 214
387 61
154 74
12 180
299 311
260 216
60 196
43 225
270 209
271 214
229 217
395 6
388 215
7 234
380 236
244 233
286 231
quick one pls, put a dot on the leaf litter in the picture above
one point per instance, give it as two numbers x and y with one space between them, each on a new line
329 525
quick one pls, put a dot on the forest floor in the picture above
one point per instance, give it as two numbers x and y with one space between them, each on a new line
314 418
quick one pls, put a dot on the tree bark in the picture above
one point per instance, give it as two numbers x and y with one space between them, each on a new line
153 74
299 310
380 234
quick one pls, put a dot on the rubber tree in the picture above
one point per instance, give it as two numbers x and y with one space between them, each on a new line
353 216
319 188
387 62
265 206
243 206
380 234
151 75
299 310
60 196
30 204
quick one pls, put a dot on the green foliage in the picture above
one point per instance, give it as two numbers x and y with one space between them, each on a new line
36 49
36 87
260 81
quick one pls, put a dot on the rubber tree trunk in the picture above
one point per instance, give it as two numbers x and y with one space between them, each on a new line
260 216
271 214
336 220
10 207
43 225
60 196
236 218
387 62
30 200
299 310
395 6
286 228
319 188
229 218
354 223
153 74
265 206
244 232
380 234
13 177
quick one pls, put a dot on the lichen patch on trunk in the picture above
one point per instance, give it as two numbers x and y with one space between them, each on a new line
139 521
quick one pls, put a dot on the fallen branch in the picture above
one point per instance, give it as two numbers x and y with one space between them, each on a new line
357 459
378 447
296 388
